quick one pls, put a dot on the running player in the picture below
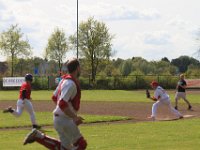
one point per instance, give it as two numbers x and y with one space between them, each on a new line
67 99
24 101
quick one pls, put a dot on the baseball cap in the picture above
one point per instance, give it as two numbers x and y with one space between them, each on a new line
154 83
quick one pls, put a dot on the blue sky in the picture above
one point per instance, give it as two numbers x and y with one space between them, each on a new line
151 29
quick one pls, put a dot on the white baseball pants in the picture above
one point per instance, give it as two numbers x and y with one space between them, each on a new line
166 103
67 130
21 104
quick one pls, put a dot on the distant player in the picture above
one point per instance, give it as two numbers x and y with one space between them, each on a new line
67 99
162 99
24 101
181 92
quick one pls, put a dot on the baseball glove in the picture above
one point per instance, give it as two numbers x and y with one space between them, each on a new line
148 93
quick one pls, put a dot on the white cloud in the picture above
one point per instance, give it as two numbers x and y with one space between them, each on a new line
106 11
150 29
157 38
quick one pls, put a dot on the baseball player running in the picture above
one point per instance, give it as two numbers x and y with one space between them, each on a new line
67 98
24 101
181 92
161 98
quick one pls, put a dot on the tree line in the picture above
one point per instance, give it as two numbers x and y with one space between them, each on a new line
95 53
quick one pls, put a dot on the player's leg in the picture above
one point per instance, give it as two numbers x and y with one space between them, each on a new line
8 110
29 107
20 108
80 144
39 137
62 124
183 95
69 133
174 111
176 100
154 109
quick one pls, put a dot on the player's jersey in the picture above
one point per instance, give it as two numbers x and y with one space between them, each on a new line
182 83
160 94
25 86
68 92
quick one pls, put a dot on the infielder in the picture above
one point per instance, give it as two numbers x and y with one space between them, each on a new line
67 98
24 101
181 92
161 98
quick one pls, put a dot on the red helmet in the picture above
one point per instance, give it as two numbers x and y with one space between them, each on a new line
154 83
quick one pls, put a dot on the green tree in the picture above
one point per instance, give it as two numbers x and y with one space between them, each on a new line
57 47
94 43
183 62
12 45
165 59
126 67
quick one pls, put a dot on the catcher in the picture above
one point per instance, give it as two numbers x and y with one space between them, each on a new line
66 120
161 98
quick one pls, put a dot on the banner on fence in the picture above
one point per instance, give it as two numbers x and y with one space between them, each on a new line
193 83
13 81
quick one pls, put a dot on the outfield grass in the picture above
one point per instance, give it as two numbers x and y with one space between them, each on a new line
99 95
45 118
167 135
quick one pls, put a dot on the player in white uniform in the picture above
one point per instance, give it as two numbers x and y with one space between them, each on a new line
67 98
161 98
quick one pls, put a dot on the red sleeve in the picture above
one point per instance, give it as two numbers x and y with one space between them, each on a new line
62 104
54 99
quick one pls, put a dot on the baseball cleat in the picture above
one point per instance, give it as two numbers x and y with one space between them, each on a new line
152 118
181 117
36 127
176 107
189 107
8 110
30 138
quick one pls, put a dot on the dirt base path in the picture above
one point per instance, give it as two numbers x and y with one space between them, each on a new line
137 111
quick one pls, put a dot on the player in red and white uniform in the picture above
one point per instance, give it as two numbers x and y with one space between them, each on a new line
24 101
162 99
67 99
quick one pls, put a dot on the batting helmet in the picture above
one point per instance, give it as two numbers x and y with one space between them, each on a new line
154 83
29 77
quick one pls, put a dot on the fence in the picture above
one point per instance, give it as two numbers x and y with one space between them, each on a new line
108 82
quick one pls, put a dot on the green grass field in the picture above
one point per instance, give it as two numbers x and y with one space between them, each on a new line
166 135
98 95
45 118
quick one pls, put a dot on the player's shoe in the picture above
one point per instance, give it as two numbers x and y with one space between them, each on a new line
176 107
189 107
8 110
181 117
36 127
30 138
152 118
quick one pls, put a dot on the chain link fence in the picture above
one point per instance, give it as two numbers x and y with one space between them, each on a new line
107 82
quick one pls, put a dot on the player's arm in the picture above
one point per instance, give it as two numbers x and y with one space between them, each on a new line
23 93
156 96
55 93
153 98
64 105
